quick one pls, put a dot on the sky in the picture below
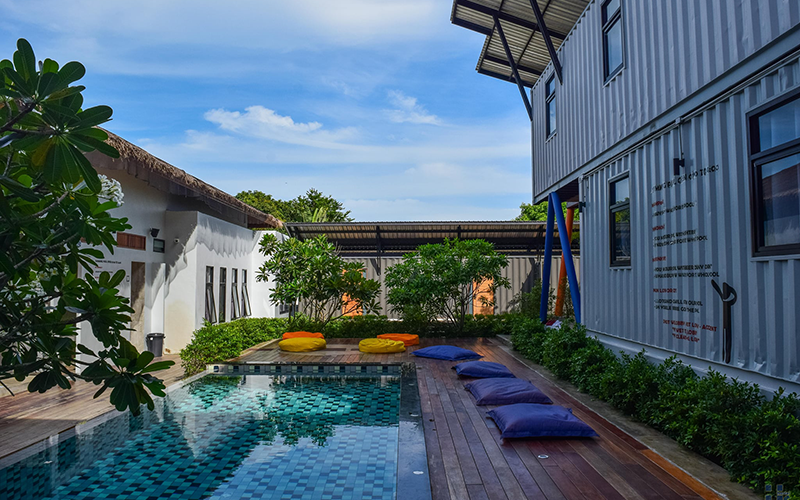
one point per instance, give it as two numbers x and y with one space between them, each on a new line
375 102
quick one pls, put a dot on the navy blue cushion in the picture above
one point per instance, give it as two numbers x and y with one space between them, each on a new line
532 420
449 352
505 391
483 369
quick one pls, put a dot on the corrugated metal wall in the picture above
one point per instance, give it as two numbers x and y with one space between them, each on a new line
522 272
673 48
623 302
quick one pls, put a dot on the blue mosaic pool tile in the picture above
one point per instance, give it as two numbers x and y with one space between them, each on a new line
231 437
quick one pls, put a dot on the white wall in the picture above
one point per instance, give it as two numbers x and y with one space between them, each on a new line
175 279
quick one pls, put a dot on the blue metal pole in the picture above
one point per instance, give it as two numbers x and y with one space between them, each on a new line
548 257
574 291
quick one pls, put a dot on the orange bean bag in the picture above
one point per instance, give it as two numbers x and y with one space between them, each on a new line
406 338
302 335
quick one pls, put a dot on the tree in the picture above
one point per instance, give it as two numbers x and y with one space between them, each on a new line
52 201
312 207
443 280
538 212
312 273
264 202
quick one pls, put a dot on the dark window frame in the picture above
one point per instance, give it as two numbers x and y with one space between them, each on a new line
549 98
159 245
605 26
235 313
223 285
613 208
756 160
246 312
211 306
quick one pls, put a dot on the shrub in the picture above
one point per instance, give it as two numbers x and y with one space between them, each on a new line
215 343
728 421
444 280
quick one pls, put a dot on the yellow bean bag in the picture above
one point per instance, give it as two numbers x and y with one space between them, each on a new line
300 335
381 346
406 338
302 344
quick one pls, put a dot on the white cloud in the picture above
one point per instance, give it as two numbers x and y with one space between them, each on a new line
264 123
407 110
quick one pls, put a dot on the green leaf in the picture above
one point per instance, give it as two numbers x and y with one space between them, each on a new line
100 146
87 171
25 60
49 66
71 72
19 189
160 365
94 116
115 280
48 82
19 82
60 94
122 362
143 360
85 350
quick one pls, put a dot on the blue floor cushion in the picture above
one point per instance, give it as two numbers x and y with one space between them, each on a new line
505 391
532 420
483 369
449 352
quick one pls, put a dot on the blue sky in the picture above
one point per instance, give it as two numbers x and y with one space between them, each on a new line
375 102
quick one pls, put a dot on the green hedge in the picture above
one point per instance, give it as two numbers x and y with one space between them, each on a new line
730 422
216 343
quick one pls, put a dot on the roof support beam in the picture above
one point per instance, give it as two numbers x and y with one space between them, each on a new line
467 4
500 60
514 71
501 76
547 40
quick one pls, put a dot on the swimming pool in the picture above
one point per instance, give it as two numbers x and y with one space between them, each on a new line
248 437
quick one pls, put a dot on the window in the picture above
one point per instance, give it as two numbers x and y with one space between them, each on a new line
223 281
550 105
613 55
775 176
134 241
211 309
158 245
234 294
245 295
620 222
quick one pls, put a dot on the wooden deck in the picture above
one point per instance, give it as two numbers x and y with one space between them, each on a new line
467 460
27 418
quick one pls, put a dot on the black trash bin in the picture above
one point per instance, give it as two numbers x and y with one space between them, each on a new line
155 343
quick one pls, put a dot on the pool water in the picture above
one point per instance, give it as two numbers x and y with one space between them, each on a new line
220 437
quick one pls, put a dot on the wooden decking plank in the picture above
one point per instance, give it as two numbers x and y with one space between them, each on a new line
477 492
439 489
604 487
463 452
452 465
543 480
580 481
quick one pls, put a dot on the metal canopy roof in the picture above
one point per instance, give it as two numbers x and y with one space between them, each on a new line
522 36
372 239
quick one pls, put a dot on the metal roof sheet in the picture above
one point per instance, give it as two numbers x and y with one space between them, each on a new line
525 39
397 238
